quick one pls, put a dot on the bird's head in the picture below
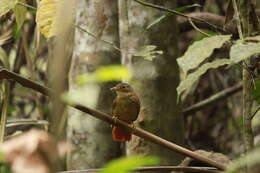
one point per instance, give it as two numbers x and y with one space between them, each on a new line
122 88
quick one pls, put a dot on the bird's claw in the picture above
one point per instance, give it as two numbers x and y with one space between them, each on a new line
114 118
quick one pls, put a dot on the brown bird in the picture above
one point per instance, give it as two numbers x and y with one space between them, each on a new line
126 107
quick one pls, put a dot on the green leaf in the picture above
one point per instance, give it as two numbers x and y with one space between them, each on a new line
125 165
180 9
20 12
256 91
244 49
189 81
6 5
200 51
105 74
148 52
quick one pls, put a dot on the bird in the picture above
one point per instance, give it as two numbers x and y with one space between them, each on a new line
126 107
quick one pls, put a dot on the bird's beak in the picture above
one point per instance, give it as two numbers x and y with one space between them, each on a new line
113 89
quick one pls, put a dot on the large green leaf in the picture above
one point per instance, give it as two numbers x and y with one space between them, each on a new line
244 49
105 74
199 51
189 81
6 5
20 12
125 165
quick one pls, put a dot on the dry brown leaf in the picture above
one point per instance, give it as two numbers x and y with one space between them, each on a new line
32 152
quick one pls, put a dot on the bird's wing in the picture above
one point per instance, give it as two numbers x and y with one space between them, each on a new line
114 106
136 102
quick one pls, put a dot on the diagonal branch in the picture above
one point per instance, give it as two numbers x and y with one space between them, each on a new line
214 98
5 74
157 168
158 7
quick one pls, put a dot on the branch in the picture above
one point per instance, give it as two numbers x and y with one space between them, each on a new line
5 74
157 168
179 14
214 98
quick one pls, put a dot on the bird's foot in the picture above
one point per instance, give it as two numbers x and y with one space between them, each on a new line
114 118
133 125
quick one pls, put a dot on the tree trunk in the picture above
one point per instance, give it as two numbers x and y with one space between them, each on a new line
155 81
92 137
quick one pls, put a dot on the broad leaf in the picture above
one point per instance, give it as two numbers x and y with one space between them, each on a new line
148 52
125 165
189 81
244 49
105 74
6 5
46 17
199 51
20 12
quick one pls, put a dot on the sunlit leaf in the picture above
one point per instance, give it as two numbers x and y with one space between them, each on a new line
252 158
199 51
6 5
46 17
180 9
148 52
244 49
256 91
105 74
125 165
20 12
189 81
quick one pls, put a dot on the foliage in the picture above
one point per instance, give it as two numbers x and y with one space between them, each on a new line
105 74
243 49
148 52
200 51
46 17
125 165
6 5
20 12
189 81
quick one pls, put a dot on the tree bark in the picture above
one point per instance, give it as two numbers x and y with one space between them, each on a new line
155 81
92 137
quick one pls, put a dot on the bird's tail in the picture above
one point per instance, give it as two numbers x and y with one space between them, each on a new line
121 134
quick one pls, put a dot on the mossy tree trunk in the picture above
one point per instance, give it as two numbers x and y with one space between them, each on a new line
90 136
155 81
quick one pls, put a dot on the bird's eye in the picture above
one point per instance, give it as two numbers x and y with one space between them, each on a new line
123 86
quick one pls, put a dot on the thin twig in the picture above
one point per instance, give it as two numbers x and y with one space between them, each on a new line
239 28
213 99
27 5
6 91
93 35
157 168
253 115
158 7
196 28
5 74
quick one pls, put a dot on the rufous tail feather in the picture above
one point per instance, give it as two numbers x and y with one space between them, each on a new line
121 134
